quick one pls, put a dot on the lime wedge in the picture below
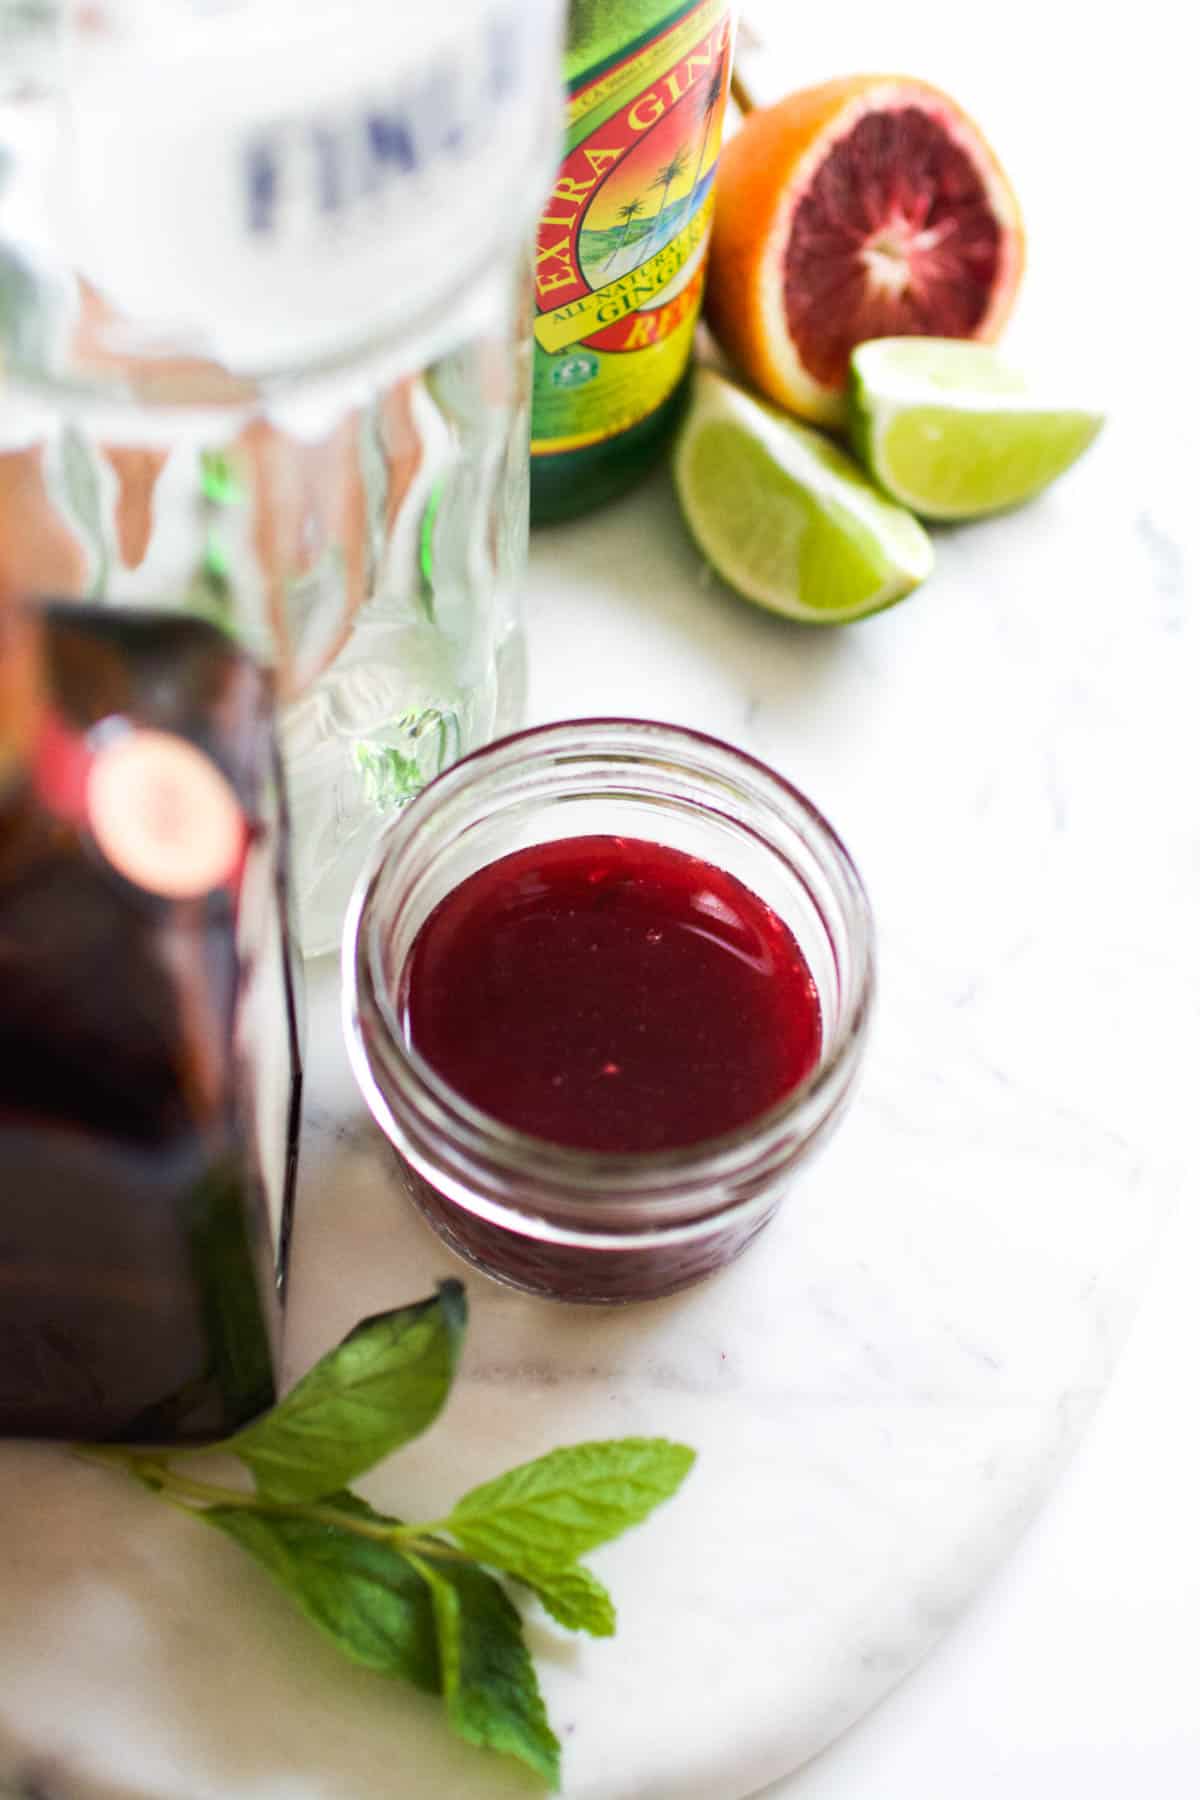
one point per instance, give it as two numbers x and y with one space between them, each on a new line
947 428
785 516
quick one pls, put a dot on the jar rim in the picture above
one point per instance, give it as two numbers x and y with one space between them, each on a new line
645 1186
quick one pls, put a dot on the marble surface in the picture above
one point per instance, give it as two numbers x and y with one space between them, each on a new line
1074 1672
885 1386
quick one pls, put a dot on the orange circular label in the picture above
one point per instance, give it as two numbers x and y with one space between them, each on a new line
164 815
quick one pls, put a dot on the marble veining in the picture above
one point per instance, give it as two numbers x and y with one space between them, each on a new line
885 1384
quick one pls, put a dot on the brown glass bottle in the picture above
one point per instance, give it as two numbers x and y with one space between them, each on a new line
622 242
149 1053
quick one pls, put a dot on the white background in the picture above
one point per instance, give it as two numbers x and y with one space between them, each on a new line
1077 1671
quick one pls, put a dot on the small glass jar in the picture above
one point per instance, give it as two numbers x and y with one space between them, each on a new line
567 1223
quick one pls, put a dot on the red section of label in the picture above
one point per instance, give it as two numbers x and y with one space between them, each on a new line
61 762
652 326
164 816
599 163
623 236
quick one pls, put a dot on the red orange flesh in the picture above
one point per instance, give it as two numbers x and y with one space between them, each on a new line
867 207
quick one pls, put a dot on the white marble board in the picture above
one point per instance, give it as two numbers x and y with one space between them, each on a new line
883 1387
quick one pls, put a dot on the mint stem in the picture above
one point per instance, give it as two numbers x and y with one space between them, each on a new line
190 1494
409 1602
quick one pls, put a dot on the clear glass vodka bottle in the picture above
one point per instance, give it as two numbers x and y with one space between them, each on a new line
264 356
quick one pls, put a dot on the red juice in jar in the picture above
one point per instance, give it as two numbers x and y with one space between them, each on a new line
612 994
604 1052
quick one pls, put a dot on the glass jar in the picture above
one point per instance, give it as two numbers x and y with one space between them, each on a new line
264 356
566 1223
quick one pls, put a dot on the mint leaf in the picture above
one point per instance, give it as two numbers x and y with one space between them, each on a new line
491 1690
547 1513
575 1598
363 1595
380 1387
343 1501
400 1598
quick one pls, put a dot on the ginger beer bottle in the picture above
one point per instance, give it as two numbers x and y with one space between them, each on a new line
622 241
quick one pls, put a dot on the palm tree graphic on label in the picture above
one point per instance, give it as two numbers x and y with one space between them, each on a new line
666 178
627 214
711 101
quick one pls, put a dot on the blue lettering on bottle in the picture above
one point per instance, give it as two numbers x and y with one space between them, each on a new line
262 185
389 142
306 168
326 157
503 45
442 108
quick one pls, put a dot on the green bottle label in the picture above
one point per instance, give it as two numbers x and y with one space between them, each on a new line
622 239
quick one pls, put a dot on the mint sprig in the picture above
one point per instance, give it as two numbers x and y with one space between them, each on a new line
546 1514
382 1386
361 1593
424 1602
489 1683
574 1597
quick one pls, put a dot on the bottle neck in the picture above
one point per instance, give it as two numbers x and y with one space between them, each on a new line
345 197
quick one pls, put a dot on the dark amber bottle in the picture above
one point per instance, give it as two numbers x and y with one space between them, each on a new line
149 1049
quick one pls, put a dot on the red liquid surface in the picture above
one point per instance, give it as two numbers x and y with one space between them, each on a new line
611 994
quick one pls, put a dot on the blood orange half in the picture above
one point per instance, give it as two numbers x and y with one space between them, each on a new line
870 207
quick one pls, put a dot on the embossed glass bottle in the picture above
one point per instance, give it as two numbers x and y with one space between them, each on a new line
264 307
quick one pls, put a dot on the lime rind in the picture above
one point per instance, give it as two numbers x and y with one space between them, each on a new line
951 431
785 516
